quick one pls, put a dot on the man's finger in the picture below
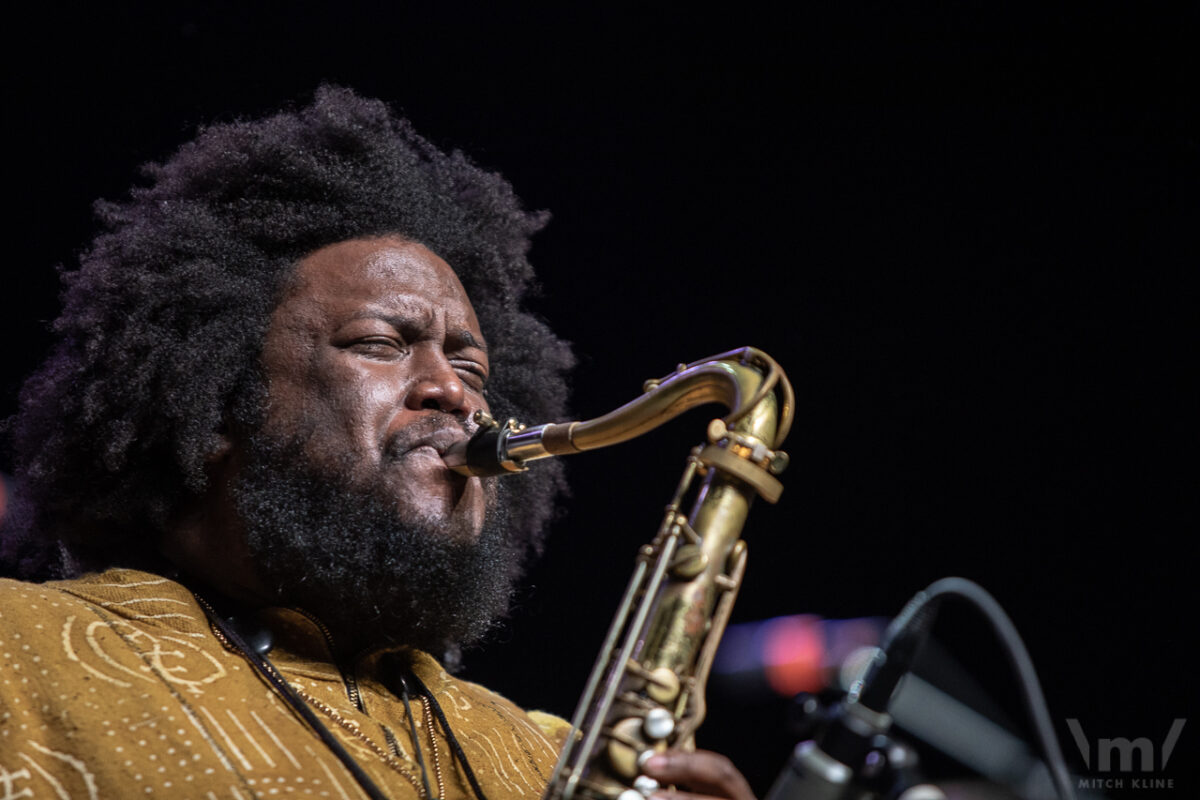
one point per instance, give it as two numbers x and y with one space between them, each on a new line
701 771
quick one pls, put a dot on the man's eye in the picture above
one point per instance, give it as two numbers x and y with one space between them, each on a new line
377 346
472 373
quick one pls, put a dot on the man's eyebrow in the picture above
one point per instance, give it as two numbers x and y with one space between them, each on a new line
471 340
401 320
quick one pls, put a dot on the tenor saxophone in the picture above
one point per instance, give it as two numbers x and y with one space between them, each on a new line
645 693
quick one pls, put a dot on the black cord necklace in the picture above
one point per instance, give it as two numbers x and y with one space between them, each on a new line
455 747
228 629
276 681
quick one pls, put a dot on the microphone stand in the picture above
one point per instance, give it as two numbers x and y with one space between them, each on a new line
854 757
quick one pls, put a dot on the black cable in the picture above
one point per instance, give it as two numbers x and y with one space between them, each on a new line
269 673
918 613
450 737
412 727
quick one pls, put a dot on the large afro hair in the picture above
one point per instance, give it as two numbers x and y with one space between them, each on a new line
159 340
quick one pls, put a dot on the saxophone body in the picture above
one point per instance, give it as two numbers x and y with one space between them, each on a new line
646 690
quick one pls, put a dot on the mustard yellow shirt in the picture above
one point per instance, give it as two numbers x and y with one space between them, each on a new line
114 686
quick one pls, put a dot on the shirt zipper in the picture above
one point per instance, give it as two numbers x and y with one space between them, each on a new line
348 679
355 695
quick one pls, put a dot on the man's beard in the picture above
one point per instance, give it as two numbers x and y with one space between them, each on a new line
335 547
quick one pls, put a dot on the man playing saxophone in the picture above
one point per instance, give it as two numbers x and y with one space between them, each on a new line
249 570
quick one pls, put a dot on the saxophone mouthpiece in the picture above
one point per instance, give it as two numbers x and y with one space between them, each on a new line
487 453
455 456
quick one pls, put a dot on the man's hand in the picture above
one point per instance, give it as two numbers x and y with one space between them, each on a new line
700 775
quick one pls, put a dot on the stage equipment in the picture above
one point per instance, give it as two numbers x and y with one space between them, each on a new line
854 756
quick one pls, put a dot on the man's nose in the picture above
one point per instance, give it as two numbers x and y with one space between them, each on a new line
437 386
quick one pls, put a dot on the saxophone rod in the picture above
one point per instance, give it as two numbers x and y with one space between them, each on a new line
737 379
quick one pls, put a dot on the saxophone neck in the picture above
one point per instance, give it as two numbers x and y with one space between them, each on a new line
745 381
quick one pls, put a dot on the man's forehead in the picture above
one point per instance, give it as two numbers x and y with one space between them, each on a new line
385 277
384 259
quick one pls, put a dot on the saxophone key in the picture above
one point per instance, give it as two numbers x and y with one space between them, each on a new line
689 562
658 724
662 685
625 745
644 785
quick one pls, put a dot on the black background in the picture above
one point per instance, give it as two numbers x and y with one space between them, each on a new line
966 230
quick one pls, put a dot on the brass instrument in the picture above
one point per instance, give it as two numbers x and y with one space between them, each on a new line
646 690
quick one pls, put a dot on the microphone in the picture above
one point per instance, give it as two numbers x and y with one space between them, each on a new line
849 757
853 754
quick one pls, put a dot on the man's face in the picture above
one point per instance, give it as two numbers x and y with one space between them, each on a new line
375 358
374 364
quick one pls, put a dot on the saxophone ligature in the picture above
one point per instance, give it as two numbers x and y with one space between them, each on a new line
645 693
